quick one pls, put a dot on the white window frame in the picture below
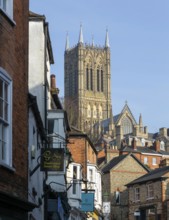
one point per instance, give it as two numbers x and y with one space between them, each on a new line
90 175
6 124
7 7
75 177
154 161
137 194
145 160
150 191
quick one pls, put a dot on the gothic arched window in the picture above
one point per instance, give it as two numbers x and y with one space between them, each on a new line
102 80
87 78
91 79
98 80
126 124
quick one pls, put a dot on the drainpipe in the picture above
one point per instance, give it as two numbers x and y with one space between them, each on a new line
45 109
45 76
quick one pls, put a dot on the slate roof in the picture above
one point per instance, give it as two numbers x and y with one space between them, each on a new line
140 150
117 160
152 175
112 163
115 118
147 150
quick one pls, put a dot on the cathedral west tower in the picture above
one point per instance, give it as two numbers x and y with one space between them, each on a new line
87 81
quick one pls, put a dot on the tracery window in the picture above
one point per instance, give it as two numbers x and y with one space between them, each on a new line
91 79
98 80
127 127
87 79
102 81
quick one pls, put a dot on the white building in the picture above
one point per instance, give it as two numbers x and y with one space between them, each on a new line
40 59
74 181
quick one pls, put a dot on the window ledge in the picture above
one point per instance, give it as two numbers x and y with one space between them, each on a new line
5 166
10 20
138 200
149 198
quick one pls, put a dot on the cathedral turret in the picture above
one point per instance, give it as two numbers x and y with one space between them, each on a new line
141 123
81 35
67 42
107 39
92 41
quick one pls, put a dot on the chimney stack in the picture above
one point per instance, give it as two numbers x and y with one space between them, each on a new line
134 144
157 145
53 81
163 131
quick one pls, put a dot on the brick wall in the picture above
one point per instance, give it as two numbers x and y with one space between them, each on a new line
14 59
81 151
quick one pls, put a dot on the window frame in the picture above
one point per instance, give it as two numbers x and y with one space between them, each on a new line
75 173
7 124
8 8
146 160
98 80
137 193
102 87
154 161
150 191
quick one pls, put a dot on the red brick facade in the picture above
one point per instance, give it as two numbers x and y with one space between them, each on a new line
82 151
14 61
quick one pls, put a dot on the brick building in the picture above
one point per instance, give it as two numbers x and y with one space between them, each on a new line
84 153
150 156
149 196
116 174
14 110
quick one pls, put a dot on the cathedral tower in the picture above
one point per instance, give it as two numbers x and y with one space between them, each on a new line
87 81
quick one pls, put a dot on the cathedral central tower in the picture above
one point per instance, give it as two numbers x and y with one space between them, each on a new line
87 81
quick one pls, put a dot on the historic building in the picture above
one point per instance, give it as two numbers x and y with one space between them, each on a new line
116 174
87 84
149 195
14 190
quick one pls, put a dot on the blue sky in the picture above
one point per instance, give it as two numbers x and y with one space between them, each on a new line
139 42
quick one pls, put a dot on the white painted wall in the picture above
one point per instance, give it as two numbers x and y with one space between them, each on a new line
36 180
75 198
37 64
95 184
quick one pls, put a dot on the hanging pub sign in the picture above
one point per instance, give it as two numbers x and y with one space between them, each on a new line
52 159
87 202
